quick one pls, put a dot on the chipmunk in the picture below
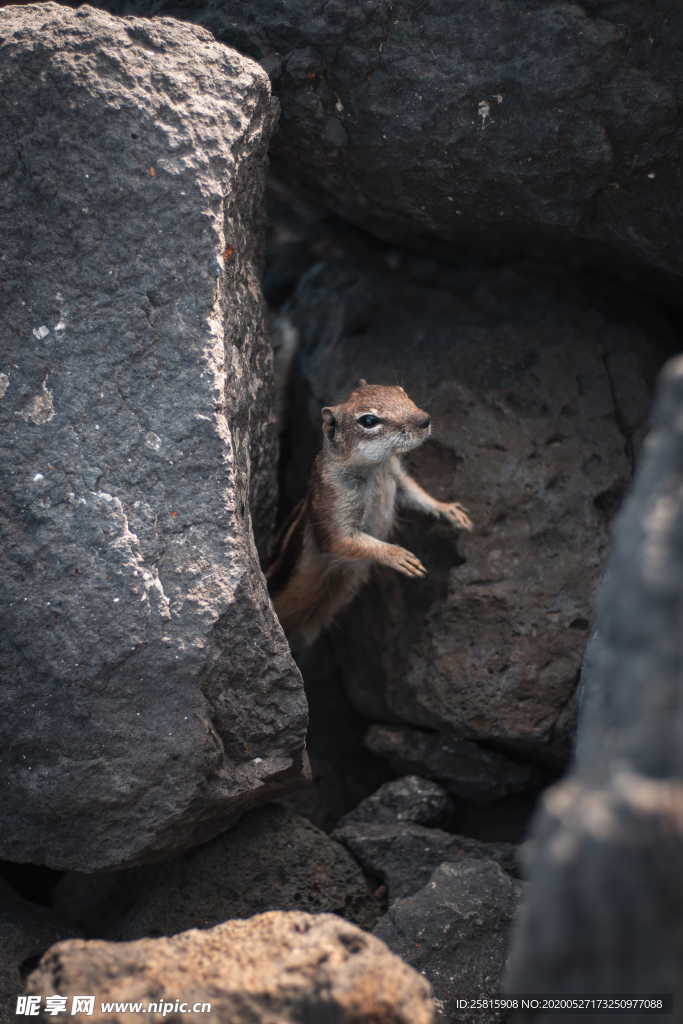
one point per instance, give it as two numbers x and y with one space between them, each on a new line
325 549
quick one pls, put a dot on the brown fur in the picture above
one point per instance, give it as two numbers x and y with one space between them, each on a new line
328 545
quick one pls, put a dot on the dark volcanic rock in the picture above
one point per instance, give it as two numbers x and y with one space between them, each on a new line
455 931
148 694
271 860
466 769
411 799
26 931
277 967
492 127
538 394
404 855
605 856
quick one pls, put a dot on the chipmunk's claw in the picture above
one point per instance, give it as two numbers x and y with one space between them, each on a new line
457 516
406 562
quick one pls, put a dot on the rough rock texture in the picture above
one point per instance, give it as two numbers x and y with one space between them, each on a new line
404 855
495 127
465 768
276 968
538 393
455 932
26 931
605 857
148 694
271 860
411 799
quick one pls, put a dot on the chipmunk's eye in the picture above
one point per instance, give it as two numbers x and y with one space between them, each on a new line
368 420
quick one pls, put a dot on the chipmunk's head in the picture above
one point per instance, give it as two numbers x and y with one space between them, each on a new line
373 423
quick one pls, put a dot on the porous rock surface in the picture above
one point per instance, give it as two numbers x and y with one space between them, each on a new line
605 854
271 860
276 968
148 694
538 394
491 127
455 932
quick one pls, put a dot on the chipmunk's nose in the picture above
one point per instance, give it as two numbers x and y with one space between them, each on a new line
424 421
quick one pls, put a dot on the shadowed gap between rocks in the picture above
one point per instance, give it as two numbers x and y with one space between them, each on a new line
298 233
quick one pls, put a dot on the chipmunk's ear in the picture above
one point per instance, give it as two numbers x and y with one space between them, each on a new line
329 422
362 383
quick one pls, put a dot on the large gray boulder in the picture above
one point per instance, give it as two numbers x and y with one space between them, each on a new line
276 967
538 394
148 694
490 127
604 861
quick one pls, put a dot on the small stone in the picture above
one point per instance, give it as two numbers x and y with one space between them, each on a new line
410 799
404 855
454 931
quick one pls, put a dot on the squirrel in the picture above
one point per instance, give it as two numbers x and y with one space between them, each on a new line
325 549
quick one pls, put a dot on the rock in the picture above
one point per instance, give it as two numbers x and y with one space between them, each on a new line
550 128
538 393
454 931
26 931
404 855
284 967
412 799
272 860
466 769
149 695
605 854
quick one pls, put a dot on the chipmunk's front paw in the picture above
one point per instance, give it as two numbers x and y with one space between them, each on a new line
404 561
457 516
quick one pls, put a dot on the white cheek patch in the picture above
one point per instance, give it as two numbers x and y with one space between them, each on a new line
376 449
410 441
